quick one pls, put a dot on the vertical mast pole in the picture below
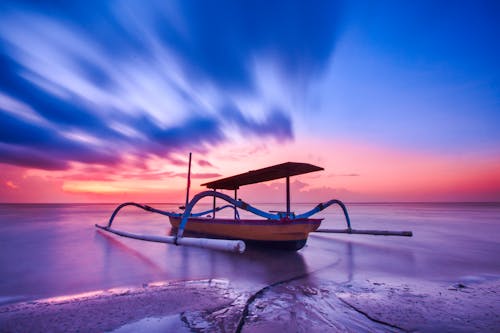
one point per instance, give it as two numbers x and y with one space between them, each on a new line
287 196
188 181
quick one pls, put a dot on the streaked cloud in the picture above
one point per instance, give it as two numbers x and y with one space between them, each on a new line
90 86
204 163
109 96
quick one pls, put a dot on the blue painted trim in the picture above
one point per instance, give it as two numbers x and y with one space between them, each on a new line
324 205
236 203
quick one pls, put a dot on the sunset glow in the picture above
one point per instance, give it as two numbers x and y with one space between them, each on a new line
102 102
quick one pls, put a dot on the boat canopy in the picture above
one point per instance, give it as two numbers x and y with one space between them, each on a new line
283 170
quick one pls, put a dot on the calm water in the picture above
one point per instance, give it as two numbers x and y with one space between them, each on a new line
50 250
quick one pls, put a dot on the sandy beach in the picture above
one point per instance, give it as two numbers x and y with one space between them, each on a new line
288 306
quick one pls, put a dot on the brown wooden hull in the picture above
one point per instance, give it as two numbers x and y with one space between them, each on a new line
256 230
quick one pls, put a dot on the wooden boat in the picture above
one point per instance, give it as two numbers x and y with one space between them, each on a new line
287 232
289 235
277 229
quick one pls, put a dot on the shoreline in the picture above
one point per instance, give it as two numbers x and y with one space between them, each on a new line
215 306
107 310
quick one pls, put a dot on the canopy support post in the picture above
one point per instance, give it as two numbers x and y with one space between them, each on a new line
215 190
287 196
235 199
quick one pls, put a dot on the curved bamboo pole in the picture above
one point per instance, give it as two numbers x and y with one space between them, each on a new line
214 244
145 207
236 203
325 205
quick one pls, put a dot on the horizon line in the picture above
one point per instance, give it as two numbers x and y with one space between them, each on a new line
181 203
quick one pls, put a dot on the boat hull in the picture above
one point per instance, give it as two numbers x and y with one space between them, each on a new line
284 234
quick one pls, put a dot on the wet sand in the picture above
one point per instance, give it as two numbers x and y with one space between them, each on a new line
293 305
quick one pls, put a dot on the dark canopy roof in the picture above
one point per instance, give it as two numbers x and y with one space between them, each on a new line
262 175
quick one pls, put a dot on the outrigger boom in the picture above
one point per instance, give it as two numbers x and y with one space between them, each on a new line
285 230
207 243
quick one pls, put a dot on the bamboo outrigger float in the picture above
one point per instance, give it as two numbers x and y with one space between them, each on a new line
277 229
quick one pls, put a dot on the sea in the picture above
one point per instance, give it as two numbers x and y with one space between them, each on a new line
50 250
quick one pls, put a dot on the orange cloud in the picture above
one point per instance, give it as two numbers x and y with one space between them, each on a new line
11 185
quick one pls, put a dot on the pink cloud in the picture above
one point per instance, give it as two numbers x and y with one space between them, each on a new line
204 163
198 175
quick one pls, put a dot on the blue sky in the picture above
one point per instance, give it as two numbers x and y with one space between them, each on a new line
420 75
113 83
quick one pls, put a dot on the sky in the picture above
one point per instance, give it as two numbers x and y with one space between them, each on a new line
102 101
